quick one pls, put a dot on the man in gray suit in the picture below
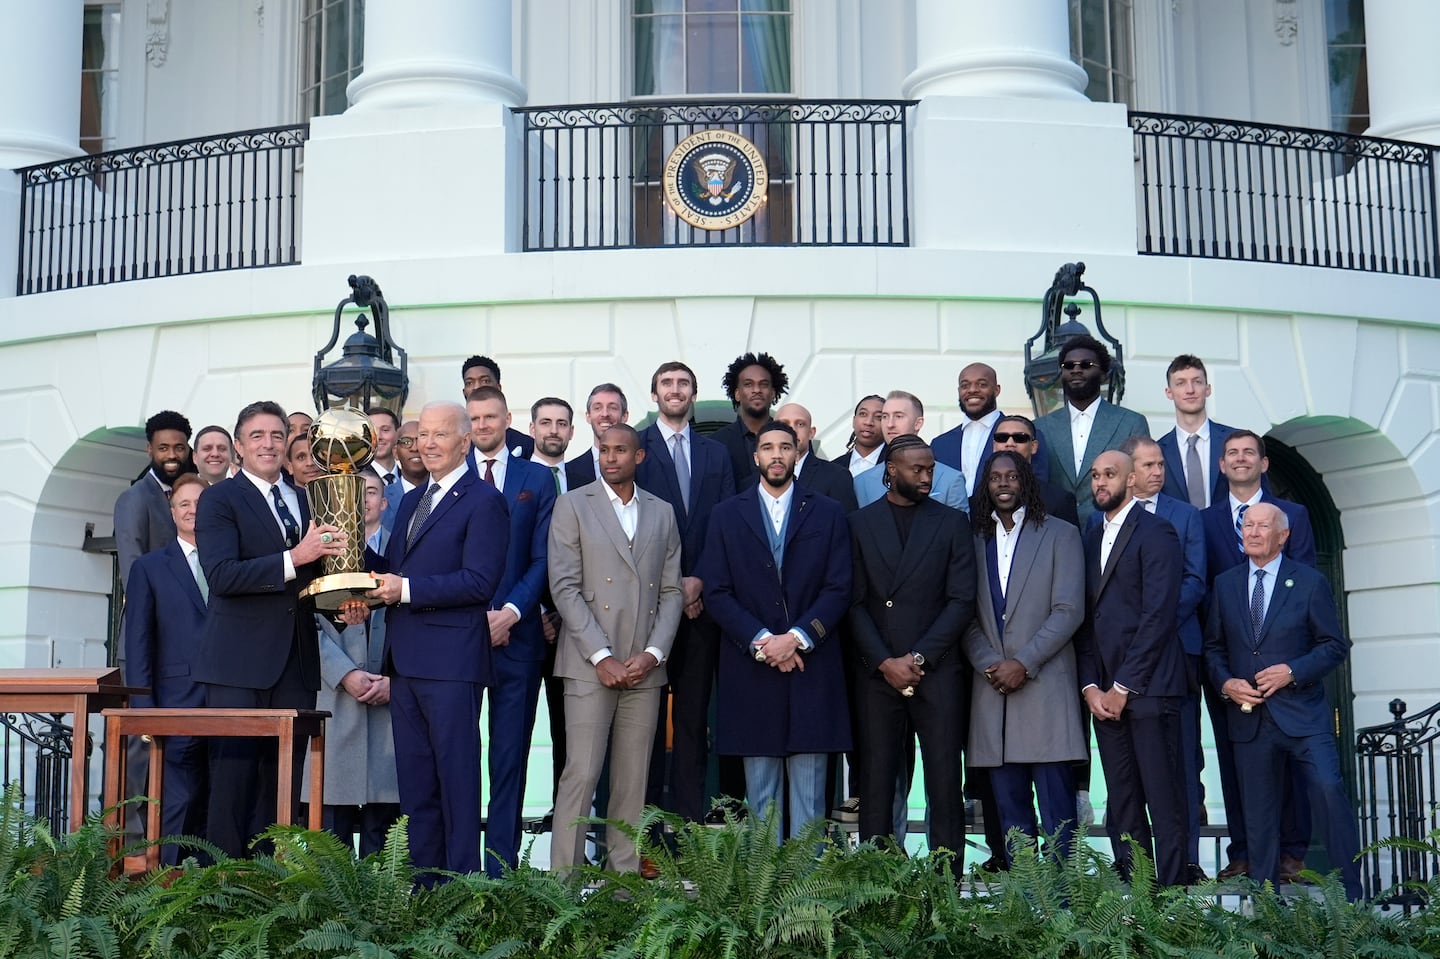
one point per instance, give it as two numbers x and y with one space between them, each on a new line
1086 425
142 512
614 554
1024 721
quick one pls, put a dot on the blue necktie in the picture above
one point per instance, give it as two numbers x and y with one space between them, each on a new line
1239 520
421 512
287 518
1257 605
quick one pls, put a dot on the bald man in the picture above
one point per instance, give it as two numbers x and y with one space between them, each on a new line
968 446
815 472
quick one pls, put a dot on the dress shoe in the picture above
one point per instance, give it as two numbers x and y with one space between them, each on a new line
847 811
995 864
648 869
1290 868
1194 875
1236 869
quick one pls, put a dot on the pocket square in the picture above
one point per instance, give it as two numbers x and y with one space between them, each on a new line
525 494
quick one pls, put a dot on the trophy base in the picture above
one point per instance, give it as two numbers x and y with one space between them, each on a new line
330 592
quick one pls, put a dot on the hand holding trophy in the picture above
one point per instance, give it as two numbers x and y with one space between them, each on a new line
342 441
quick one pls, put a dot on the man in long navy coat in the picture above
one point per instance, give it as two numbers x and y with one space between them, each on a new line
777 580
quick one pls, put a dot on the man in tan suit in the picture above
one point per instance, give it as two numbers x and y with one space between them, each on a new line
615 579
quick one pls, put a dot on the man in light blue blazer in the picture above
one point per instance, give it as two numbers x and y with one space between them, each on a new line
903 413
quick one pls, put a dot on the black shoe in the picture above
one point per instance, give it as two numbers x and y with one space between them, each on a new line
847 811
1194 875
995 864
730 807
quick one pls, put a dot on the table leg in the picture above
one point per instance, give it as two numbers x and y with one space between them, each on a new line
153 818
114 782
79 764
317 779
285 780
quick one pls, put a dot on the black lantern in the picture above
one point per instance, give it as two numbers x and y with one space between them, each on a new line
365 376
1042 371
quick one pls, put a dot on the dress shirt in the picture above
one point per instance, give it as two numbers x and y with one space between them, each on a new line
557 470
1112 532
668 435
1272 581
405 485
1149 504
292 500
776 506
1182 440
974 437
629 516
1235 505
394 471
501 456
164 486
860 464
446 483
1081 423
1005 541
190 550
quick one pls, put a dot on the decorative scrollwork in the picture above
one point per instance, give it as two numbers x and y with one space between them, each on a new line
225 144
1400 737
650 114
45 731
1320 141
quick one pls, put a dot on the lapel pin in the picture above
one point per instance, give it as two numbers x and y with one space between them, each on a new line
1289 583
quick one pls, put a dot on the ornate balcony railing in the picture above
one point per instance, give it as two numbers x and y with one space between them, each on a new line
35 750
1274 194
595 175
1399 797
191 206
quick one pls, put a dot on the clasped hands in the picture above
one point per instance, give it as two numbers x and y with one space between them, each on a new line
1007 676
372 689
615 674
1267 683
781 652
1107 705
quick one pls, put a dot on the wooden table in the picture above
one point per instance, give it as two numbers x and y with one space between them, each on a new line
282 725
77 692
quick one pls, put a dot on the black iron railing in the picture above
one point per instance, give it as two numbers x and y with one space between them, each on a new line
1399 797
1274 194
838 173
191 206
36 750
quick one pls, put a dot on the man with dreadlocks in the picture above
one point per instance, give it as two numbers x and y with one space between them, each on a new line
1024 725
913 590
754 382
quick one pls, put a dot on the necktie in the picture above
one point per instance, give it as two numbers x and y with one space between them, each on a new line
490 472
1239 519
421 512
1257 605
287 518
1194 475
199 572
1149 505
682 468
389 478
556 471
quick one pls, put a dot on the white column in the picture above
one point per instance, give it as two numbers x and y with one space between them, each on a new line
1404 73
436 52
40 82
994 48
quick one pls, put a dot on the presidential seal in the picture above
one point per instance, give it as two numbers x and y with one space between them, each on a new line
715 179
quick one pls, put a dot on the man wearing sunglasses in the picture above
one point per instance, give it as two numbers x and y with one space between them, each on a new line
1086 425
1016 434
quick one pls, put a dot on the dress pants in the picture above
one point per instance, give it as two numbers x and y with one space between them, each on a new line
370 821
597 717
187 793
765 778
1192 756
514 699
436 724
1140 756
1053 786
1261 766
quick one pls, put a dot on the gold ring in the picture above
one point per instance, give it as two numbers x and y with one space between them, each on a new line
1246 708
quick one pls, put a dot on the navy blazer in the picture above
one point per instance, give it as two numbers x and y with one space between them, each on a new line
760 710
164 613
1129 636
1175 463
530 493
949 448
824 477
1222 544
454 570
1301 630
580 471
712 479
1110 426
254 614
1193 584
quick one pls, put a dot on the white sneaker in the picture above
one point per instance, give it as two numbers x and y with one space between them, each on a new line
1084 812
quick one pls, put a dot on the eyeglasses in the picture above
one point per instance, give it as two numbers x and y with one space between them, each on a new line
1072 365
405 442
1013 437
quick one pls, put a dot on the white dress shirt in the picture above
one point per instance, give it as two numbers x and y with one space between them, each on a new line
1112 532
1081 422
1202 447
1235 505
292 502
777 506
629 516
861 464
1148 504
974 437
446 482
501 456
1005 542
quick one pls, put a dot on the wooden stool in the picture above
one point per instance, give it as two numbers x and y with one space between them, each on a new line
282 725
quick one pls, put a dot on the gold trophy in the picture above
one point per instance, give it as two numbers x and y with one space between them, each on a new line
342 441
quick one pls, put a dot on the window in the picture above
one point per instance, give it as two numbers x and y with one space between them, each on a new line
332 37
1345 46
1102 42
99 77
708 47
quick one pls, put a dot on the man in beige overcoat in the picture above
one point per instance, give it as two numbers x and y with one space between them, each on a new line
615 579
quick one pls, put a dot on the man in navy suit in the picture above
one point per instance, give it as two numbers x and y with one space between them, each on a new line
754 383
443 566
605 407
1086 425
1132 670
867 440
693 474
1271 638
782 703
516 639
1192 448
164 612
258 646
1243 464
968 446
480 371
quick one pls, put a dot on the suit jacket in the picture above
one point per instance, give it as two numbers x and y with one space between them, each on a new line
1058 503
829 479
712 479
580 471
740 443
1194 583
1044 608
762 711
1175 464
530 493
1111 425
519 444
1222 544
918 598
454 568
1130 631
844 458
142 522
359 739
947 487
1301 629
608 591
949 448
164 614
254 614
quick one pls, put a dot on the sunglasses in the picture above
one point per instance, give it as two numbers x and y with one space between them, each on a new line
1013 437
1072 365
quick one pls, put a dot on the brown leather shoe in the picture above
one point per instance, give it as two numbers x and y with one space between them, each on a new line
1235 869
1290 868
648 869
